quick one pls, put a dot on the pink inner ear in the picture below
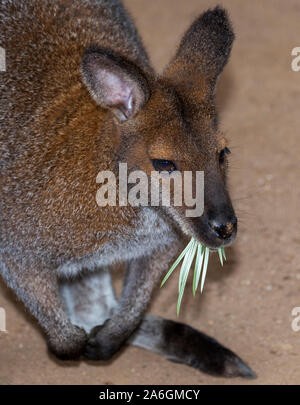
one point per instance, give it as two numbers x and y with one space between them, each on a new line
115 91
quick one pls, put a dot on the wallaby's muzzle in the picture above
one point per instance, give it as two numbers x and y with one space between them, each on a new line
215 232
217 227
224 226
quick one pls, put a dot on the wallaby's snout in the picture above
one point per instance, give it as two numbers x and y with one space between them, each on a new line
219 215
217 227
223 224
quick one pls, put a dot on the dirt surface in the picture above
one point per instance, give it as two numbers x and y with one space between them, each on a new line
247 305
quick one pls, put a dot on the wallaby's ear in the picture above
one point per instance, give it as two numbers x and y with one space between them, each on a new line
114 82
203 52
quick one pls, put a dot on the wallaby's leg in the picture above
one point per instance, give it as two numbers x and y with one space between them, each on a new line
38 289
142 276
183 344
89 299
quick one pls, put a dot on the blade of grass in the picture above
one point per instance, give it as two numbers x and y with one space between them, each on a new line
223 253
220 256
198 266
186 264
204 268
181 292
184 272
177 261
201 263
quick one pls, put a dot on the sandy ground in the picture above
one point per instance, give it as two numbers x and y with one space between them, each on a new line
247 305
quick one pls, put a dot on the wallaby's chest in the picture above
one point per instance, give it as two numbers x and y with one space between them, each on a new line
149 233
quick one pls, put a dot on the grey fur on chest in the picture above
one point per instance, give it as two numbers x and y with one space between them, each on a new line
150 233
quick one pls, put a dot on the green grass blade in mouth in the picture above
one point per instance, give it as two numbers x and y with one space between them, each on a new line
220 256
223 252
198 266
177 261
184 272
205 264
193 248
187 261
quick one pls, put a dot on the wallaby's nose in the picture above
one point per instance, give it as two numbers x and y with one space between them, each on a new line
224 229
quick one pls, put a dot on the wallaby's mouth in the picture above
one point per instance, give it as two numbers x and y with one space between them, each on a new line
222 243
215 245
213 231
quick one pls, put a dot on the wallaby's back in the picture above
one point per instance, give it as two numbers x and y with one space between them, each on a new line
49 154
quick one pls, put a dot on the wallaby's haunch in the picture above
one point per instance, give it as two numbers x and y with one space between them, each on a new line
79 96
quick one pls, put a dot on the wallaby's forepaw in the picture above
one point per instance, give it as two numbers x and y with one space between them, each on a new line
101 343
69 345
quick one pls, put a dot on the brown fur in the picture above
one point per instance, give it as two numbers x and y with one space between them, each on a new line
79 96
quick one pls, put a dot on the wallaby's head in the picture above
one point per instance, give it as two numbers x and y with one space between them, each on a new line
169 122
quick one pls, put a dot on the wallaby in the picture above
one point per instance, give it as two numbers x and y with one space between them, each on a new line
79 96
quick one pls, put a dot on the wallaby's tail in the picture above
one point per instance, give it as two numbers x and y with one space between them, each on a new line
182 344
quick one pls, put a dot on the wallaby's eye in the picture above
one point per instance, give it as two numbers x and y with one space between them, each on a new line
161 165
222 155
